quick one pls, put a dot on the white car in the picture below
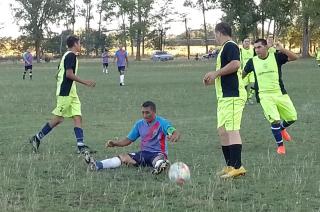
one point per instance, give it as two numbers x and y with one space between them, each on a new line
161 56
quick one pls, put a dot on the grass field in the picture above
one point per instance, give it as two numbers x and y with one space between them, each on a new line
56 179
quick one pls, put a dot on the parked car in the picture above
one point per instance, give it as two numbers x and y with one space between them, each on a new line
161 56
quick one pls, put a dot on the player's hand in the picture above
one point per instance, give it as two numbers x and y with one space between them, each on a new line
90 83
174 137
209 78
278 46
111 143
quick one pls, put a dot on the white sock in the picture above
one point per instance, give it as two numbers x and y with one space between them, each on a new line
106 71
111 163
121 78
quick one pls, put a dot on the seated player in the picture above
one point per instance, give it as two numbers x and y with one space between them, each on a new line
318 55
154 131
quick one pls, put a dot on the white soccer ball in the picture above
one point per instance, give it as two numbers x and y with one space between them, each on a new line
179 173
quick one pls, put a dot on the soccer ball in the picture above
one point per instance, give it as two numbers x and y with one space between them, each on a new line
179 173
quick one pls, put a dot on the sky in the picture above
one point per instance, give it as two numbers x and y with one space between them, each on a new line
9 28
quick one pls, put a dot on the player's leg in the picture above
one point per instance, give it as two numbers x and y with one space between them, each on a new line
288 114
25 72
223 136
271 113
121 71
46 129
106 68
115 162
30 72
230 136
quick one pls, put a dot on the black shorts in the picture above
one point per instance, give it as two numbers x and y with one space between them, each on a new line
26 68
144 158
105 65
121 69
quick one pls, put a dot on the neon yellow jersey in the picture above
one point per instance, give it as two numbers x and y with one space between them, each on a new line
272 50
245 55
66 86
318 54
268 73
230 85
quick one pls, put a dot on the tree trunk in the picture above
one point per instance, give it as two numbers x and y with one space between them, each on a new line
37 46
124 32
100 22
262 26
142 41
138 55
205 26
306 36
187 37
73 15
269 25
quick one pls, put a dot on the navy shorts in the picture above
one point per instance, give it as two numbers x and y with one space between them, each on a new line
26 68
105 65
121 69
144 158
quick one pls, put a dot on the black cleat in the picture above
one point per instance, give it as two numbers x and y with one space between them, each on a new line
83 149
35 142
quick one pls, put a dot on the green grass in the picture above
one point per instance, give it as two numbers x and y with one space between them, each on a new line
56 179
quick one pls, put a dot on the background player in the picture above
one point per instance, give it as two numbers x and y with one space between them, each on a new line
121 56
68 103
245 54
273 97
105 61
154 131
27 58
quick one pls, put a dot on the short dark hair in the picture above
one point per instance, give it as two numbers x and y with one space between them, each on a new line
262 41
71 40
151 105
224 29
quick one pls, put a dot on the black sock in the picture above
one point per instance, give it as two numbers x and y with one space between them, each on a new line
235 155
286 124
226 154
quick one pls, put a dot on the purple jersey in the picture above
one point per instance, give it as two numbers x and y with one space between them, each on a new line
153 135
121 56
105 57
27 58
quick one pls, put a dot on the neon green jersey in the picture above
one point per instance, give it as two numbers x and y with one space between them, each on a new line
66 86
318 54
245 55
267 72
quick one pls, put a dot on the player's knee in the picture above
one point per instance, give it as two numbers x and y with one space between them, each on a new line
126 159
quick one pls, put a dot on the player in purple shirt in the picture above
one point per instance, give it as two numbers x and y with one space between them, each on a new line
27 58
121 56
154 132
105 60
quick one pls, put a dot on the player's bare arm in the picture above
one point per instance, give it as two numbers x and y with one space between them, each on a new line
230 68
72 76
118 143
291 56
174 137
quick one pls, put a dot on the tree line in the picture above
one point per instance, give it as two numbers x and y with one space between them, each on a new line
139 24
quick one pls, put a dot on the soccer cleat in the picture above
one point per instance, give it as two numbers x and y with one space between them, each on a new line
90 161
160 166
224 170
234 173
121 84
285 135
84 148
35 142
281 150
